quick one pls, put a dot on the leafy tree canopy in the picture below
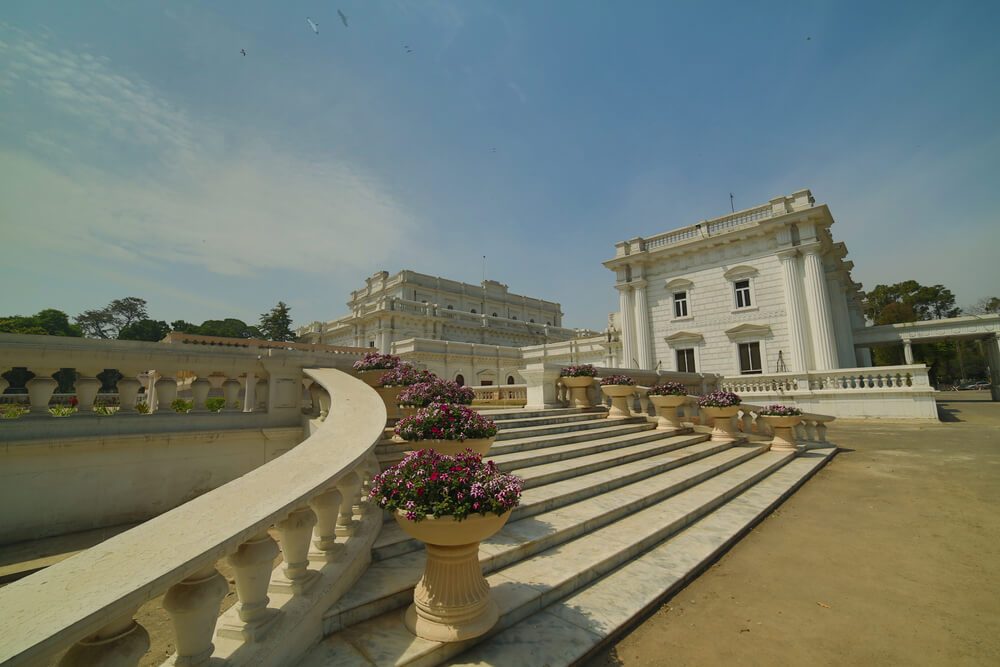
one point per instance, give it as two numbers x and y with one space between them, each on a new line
228 328
277 324
110 320
50 322
145 329
909 301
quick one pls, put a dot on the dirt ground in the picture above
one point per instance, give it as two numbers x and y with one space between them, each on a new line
887 556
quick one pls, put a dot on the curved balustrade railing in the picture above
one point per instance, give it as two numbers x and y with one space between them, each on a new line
510 394
312 496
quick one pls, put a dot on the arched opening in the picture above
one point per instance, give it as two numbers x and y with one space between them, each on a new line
510 379
532 320
494 314
460 380
473 311
450 307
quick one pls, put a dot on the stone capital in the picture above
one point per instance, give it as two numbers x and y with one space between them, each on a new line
788 254
621 287
811 248
639 284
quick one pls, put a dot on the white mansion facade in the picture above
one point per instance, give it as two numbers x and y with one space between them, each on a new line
765 290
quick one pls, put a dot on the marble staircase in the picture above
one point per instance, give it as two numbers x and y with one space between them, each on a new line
614 518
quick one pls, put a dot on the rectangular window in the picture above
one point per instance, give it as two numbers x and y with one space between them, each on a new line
750 359
685 361
680 304
742 288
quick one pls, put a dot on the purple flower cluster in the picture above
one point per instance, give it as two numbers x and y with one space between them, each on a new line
667 389
441 421
373 361
427 483
405 375
583 370
617 379
438 391
780 411
719 399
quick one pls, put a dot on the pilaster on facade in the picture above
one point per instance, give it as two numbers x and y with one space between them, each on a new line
642 337
627 310
820 317
793 308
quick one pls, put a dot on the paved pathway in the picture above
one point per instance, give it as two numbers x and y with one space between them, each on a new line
888 556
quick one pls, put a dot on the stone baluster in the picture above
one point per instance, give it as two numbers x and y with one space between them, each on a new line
348 486
199 392
643 403
87 385
121 643
314 391
252 564
294 534
193 606
166 392
810 425
820 431
326 506
128 391
231 392
800 430
40 390
324 404
249 389
747 419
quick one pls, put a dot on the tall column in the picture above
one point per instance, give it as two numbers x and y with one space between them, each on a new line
844 336
643 348
626 309
819 310
793 309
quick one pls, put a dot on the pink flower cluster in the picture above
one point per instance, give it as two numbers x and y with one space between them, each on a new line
442 421
373 361
719 399
583 370
667 389
780 411
426 483
617 380
438 391
405 375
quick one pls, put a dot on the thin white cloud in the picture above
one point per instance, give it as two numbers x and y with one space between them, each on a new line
127 175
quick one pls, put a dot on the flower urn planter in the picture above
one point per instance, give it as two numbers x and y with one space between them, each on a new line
371 378
452 602
666 411
784 431
722 422
452 447
389 396
579 390
620 394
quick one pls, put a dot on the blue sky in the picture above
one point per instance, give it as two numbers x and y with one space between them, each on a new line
142 155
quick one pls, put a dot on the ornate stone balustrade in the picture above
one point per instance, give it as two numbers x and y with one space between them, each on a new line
312 500
710 227
261 378
811 430
882 392
509 394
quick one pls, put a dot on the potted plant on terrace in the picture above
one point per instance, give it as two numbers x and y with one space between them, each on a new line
667 397
782 419
373 365
392 382
422 394
720 406
619 388
578 379
451 504
448 429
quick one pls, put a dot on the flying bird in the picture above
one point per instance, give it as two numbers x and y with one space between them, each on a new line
314 26
343 18
243 51
407 47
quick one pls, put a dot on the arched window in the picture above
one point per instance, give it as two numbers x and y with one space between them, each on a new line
510 379
473 311
460 380
450 307
494 314
513 317
532 320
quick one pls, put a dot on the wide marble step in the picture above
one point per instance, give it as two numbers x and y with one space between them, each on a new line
543 420
528 585
388 584
569 630
503 414
597 421
393 541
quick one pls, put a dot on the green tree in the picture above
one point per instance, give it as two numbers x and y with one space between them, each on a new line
924 303
988 305
50 322
277 324
184 327
110 320
228 328
146 329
